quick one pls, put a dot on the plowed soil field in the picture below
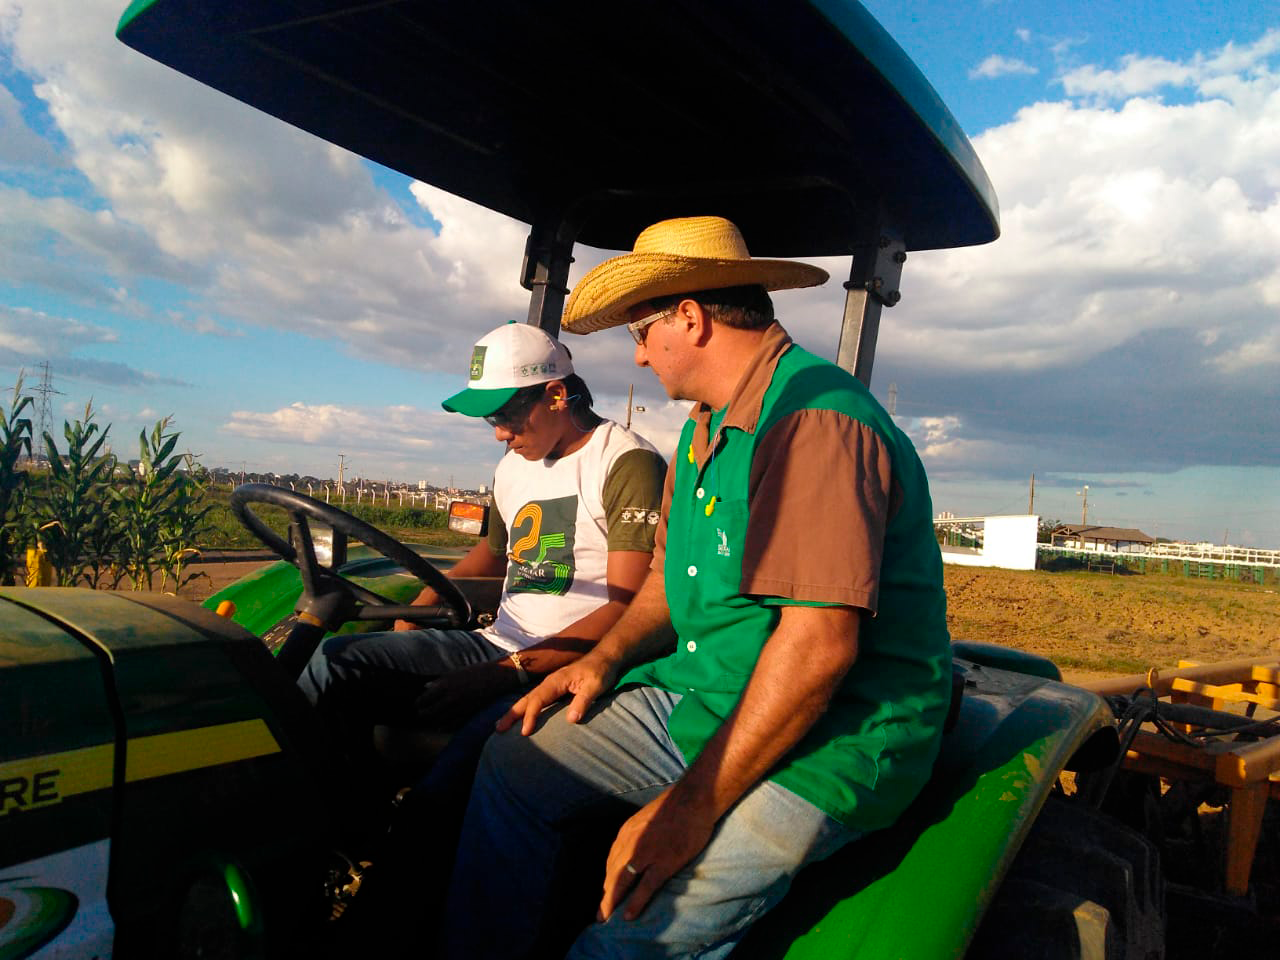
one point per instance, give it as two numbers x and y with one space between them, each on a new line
1100 624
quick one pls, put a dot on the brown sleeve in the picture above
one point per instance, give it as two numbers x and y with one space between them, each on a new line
660 535
820 496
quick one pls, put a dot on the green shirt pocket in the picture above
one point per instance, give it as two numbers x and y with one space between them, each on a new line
717 541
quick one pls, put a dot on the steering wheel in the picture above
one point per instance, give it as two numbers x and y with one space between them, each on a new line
328 599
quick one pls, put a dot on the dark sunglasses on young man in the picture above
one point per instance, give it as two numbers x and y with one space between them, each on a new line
513 414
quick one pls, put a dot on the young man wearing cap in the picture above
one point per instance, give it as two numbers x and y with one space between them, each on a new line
575 508
779 684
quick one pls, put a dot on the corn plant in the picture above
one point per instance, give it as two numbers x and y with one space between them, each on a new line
15 439
186 522
159 511
72 517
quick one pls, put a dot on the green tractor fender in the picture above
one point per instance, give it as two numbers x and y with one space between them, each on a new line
921 887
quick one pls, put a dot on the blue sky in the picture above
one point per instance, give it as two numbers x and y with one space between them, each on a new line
169 251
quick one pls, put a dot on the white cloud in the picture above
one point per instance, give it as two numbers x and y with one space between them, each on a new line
305 423
31 337
1116 222
1262 352
1137 75
397 441
32 333
1000 66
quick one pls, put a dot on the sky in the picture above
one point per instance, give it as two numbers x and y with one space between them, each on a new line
171 252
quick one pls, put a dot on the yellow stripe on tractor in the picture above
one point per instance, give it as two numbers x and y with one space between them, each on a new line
35 782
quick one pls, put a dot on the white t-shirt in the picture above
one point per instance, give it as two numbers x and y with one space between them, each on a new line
558 519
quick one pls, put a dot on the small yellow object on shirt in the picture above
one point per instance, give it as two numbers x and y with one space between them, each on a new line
710 507
692 459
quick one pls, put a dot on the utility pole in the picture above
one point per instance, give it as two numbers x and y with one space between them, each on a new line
342 464
1031 504
1084 506
630 408
893 399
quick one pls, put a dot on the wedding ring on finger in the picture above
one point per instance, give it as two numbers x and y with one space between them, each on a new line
631 870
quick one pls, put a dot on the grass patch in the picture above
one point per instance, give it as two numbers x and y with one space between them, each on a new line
1102 663
407 524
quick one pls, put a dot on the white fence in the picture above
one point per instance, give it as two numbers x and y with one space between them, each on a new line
1187 553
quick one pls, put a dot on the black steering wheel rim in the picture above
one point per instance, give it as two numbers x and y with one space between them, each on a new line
302 508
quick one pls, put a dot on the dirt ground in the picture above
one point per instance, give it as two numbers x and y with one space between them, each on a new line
1100 624
222 571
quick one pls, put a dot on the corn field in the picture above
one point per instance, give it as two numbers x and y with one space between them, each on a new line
94 521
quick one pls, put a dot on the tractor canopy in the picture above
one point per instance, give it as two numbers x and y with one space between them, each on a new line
812 120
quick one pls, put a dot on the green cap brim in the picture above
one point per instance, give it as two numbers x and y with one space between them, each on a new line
479 403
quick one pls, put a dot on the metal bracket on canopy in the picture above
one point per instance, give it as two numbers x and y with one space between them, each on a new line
548 253
874 278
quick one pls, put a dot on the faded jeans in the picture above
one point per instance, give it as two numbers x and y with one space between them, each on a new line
528 790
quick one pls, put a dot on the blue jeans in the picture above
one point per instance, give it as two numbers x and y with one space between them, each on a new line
530 790
370 678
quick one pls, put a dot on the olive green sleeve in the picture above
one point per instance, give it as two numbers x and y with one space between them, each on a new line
497 532
633 500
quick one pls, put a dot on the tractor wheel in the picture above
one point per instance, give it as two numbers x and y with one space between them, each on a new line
1083 887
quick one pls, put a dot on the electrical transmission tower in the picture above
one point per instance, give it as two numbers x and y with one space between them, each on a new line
44 412
893 399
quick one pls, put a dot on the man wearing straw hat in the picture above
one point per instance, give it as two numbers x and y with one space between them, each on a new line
778 686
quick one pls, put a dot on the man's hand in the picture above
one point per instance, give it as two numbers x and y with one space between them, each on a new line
584 679
427 598
661 838
455 695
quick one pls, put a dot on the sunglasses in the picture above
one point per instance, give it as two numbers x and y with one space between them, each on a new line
514 413
638 327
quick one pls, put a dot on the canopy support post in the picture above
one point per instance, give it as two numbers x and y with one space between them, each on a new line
548 253
873 283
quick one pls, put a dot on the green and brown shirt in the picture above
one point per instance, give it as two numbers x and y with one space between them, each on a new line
802 490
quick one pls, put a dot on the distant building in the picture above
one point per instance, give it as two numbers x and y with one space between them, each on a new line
1101 539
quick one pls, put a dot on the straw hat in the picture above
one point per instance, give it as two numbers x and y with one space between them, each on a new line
677 256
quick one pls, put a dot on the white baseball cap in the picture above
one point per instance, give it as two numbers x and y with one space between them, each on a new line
513 356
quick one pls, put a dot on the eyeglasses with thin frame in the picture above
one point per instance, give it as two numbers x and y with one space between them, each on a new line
638 327
513 414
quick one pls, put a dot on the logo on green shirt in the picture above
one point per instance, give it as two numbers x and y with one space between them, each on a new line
540 558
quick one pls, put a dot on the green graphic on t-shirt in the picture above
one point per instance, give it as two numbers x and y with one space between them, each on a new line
540 558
